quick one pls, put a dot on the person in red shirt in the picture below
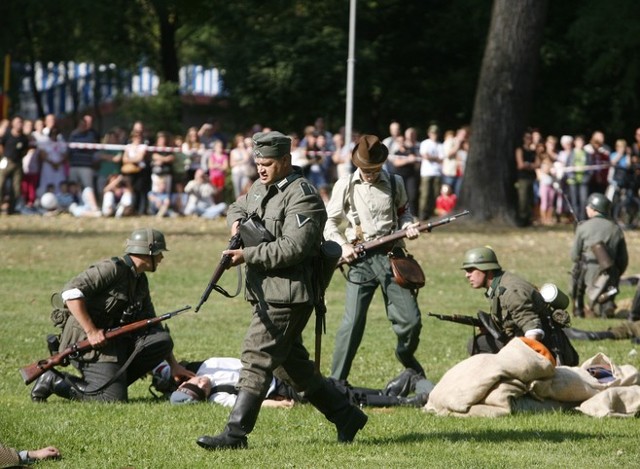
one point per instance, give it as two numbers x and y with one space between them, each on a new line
446 201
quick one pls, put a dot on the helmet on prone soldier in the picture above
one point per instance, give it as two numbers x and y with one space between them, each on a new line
145 241
599 203
483 259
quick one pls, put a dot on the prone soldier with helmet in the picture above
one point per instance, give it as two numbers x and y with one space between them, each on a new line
518 309
600 257
110 293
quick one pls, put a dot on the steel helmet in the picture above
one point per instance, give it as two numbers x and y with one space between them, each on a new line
481 258
146 241
599 203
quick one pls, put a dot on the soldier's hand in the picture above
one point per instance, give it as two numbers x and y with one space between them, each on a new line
412 230
96 338
237 256
349 253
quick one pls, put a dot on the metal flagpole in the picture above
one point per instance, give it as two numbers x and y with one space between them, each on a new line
350 72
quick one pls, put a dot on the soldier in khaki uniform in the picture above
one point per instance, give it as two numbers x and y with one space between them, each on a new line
588 269
365 201
110 293
517 308
281 287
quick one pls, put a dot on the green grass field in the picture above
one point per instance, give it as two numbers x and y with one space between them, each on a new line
40 254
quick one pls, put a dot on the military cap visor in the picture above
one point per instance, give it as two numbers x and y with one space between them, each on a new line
271 145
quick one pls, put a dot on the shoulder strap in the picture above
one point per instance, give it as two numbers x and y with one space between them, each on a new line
356 218
392 181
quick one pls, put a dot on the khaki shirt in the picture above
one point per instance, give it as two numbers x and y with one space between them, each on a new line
282 271
373 206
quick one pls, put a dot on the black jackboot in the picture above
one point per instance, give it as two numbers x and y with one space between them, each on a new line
59 384
337 408
241 422
579 334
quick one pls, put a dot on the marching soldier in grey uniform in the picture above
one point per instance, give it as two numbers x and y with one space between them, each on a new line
110 293
281 287
517 309
600 257
372 209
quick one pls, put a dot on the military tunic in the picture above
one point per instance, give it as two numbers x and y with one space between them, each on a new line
109 288
377 217
517 307
280 282
594 230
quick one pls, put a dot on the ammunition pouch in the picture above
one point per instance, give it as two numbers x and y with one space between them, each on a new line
406 270
253 232
602 256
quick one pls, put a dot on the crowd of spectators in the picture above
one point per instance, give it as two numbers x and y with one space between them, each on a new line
200 172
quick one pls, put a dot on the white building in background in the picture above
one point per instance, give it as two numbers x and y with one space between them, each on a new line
57 82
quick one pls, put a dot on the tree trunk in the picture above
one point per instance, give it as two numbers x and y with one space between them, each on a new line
501 108
167 18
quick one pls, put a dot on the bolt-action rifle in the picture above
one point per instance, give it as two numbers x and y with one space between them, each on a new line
33 371
362 248
484 321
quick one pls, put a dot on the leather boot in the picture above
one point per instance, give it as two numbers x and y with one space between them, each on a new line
241 422
337 408
410 362
59 384
579 334
401 384
417 400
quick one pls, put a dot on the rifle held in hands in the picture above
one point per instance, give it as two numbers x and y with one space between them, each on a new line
484 321
362 248
234 243
31 372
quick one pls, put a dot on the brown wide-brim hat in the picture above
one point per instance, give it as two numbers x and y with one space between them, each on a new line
369 153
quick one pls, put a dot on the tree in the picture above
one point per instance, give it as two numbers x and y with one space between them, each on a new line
503 100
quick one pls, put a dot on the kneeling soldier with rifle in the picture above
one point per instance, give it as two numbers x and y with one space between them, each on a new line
113 292
517 309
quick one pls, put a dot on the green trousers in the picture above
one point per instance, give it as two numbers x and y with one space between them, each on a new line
400 305
273 347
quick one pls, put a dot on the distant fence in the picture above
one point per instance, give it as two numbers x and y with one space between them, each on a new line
60 82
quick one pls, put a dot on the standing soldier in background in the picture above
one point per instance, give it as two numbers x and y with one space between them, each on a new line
372 208
600 257
281 285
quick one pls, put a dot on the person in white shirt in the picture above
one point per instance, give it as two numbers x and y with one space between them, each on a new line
430 172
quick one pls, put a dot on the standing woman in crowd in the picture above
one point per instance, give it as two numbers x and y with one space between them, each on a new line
194 150
239 160
133 167
218 164
53 158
